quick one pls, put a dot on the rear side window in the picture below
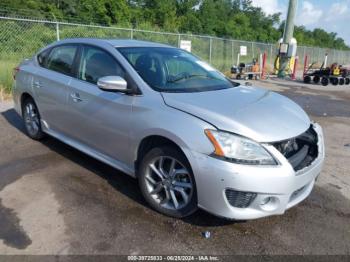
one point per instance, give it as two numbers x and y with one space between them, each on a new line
42 57
96 63
61 59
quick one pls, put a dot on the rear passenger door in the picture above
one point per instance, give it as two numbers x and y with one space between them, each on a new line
50 85
99 119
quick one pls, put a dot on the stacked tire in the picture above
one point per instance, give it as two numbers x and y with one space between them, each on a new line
325 80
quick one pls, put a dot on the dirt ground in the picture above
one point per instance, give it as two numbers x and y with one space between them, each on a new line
56 200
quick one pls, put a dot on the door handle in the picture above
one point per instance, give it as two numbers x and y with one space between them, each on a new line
37 84
76 97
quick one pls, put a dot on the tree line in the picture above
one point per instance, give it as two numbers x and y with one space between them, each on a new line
237 19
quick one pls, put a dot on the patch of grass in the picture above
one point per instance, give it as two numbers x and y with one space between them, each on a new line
6 75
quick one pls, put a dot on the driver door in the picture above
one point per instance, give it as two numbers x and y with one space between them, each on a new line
99 119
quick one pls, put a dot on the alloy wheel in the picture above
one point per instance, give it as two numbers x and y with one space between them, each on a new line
169 183
31 119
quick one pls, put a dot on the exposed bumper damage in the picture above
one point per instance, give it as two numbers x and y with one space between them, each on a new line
249 192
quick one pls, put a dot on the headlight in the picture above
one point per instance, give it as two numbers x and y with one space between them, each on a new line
239 149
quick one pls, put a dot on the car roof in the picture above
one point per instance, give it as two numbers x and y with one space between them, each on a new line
114 42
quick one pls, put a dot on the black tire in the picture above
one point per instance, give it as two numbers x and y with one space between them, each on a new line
324 81
238 77
341 81
344 73
307 79
316 79
347 81
334 81
144 183
30 120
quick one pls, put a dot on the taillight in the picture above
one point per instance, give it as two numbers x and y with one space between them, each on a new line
15 71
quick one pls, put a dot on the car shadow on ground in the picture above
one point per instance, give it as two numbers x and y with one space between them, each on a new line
120 181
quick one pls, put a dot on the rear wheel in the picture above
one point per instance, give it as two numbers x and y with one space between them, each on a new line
167 183
31 119
347 81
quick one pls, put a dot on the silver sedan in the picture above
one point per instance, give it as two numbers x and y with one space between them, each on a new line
191 137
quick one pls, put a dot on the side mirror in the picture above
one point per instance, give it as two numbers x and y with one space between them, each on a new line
113 84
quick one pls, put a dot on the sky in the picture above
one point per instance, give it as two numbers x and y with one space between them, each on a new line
330 15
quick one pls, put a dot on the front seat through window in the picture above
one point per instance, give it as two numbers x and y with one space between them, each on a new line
99 65
149 70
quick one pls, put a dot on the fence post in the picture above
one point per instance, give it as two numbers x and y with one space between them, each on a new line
263 66
232 53
178 40
57 31
253 50
271 56
131 33
210 48
319 55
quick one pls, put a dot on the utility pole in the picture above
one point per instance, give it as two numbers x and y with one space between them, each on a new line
287 37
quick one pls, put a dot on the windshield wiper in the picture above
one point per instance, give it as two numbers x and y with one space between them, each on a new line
187 77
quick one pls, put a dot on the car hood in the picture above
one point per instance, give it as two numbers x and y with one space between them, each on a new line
252 112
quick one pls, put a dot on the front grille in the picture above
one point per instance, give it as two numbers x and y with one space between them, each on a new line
239 199
300 151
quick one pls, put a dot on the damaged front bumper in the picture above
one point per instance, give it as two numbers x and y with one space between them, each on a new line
247 192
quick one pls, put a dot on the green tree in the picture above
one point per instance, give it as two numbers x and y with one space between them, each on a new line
237 19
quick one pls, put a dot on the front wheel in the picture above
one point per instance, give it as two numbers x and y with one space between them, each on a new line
31 119
167 183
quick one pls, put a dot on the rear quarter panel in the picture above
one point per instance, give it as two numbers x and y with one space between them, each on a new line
23 83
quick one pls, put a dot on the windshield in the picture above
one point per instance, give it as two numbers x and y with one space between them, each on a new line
174 70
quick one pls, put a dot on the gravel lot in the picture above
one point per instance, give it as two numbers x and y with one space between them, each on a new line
56 200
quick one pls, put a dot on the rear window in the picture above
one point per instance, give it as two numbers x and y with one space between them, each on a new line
61 59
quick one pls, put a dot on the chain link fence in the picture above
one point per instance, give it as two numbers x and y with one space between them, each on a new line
21 37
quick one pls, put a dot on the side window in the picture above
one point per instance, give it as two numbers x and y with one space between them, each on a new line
96 63
61 59
42 57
